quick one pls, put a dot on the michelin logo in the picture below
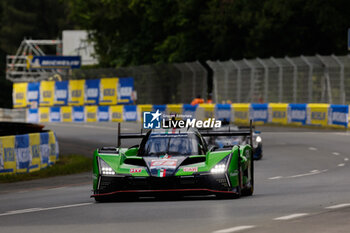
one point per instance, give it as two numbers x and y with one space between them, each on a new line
151 120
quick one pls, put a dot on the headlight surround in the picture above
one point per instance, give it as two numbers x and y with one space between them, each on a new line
218 168
105 169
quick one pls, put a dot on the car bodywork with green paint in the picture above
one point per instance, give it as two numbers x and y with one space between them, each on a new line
173 161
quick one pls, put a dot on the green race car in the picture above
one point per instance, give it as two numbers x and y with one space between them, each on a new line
173 161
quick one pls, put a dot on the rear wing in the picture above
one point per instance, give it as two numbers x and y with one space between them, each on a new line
244 131
127 135
203 132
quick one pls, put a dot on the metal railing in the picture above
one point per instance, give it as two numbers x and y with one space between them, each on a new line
304 79
158 83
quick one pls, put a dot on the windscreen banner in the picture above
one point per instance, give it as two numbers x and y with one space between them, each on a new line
223 112
297 113
338 115
61 93
278 113
19 95
92 90
47 89
76 92
259 113
108 91
317 114
33 94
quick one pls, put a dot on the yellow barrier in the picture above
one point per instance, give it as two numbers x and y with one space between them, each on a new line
205 111
66 114
241 113
20 95
116 113
278 113
143 108
91 113
47 91
174 109
76 92
108 91
44 114
317 114
7 149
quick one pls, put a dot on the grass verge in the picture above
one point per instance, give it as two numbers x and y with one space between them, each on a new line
70 164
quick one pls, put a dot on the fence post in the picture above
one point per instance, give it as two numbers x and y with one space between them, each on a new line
266 79
280 78
193 79
252 71
295 78
342 86
238 88
311 67
215 81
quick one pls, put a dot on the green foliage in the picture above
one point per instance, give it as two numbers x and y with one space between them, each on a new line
135 32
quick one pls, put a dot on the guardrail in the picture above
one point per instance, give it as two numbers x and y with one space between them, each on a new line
27 152
239 113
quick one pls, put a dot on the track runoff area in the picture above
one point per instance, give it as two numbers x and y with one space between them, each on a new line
301 185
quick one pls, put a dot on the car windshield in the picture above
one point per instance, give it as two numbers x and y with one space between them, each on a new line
171 145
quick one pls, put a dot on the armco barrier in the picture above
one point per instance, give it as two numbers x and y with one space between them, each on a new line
27 152
275 113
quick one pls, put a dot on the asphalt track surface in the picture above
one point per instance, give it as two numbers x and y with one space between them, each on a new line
302 185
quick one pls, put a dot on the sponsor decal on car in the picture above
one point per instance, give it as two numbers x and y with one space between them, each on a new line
164 163
135 170
161 172
190 169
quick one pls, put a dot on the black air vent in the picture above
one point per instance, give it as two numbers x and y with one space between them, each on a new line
108 150
193 160
135 162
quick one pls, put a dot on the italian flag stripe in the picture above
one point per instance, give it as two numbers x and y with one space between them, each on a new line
161 173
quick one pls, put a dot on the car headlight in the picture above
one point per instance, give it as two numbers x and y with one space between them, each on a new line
258 139
105 168
219 168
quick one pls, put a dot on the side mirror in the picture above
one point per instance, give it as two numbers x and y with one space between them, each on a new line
132 151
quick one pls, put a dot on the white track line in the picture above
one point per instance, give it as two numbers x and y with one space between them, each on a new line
341 164
314 172
312 148
336 153
275 177
31 210
346 159
234 229
338 206
291 216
